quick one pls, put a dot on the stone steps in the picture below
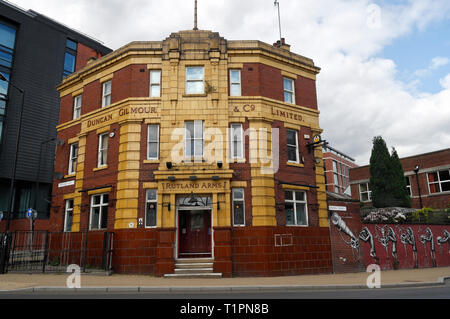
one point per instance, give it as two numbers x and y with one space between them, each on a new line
194 268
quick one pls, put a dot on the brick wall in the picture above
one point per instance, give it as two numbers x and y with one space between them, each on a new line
257 251
346 259
426 162
425 256
84 53
264 80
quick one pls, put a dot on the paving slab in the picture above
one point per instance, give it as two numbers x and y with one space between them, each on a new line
119 282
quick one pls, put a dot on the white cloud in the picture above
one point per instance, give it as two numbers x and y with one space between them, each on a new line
359 95
439 61
445 82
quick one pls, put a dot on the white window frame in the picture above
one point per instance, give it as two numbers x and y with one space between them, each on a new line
102 149
73 159
240 139
408 185
233 200
67 211
102 204
438 182
368 192
152 201
192 139
149 141
289 91
202 81
239 83
297 160
155 84
77 101
295 201
106 95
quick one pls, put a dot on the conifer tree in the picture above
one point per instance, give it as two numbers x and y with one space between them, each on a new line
400 193
387 180
380 173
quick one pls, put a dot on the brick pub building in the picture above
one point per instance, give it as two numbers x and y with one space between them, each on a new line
168 154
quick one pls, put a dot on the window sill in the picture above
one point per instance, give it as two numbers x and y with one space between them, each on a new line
151 161
70 175
100 168
237 161
297 225
295 164
195 95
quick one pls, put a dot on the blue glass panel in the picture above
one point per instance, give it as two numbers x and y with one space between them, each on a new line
5 58
71 44
69 62
7 36
4 84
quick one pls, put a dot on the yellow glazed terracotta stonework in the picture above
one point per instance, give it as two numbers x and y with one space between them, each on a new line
175 107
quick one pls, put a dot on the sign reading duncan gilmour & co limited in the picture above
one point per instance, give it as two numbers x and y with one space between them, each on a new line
132 111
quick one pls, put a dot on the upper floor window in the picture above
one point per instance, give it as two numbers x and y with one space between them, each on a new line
296 209
73 156
289 91
106 93
292 145
365 192
235 83
155 83
195 76
237 141
102 149
439 182
193 139
70 57
153 142
77 107
7 41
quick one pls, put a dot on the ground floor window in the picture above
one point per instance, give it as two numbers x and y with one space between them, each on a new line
99 211
151 207
68 215
238 207
296 208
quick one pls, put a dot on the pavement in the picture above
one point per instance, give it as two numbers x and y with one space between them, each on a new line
14 282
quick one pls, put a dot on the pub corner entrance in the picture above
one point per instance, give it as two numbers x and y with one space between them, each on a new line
194 227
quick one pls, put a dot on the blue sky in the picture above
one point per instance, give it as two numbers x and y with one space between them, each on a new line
415 51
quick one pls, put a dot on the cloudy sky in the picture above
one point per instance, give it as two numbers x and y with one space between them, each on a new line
385 64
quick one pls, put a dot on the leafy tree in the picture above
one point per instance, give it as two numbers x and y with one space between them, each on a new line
387 180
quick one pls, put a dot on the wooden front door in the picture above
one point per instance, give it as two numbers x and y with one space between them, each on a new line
194 233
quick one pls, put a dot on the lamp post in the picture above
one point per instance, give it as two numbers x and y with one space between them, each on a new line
416 170
13 176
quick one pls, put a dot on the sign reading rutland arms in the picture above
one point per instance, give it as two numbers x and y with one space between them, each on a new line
129 111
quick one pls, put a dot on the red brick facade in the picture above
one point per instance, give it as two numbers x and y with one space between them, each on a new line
427 163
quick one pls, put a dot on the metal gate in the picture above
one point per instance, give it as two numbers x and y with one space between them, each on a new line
42 251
